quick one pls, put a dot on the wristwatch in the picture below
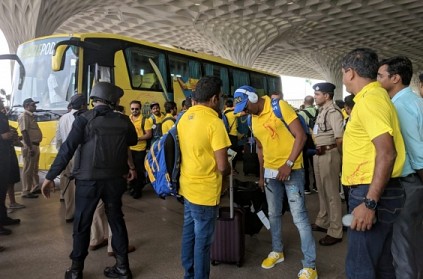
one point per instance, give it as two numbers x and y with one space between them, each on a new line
289 163
370 204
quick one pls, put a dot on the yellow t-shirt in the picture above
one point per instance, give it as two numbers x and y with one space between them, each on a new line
276 139
166 125
201 132
372 116
142 144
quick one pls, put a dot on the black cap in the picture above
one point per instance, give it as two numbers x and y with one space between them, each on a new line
324 87
28 102
77 101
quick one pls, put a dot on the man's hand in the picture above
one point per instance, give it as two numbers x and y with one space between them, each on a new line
46 188
363 218
131 175
284 173
8 135
261 184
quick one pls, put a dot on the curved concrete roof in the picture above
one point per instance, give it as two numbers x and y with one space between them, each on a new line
291 37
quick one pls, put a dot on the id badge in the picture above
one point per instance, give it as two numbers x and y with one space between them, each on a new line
315 129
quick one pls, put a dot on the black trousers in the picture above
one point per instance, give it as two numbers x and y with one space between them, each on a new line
138 184
87 195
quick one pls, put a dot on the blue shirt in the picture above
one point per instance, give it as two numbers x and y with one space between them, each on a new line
410 114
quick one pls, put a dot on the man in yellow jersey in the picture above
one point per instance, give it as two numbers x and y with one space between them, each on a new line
144 132
204 162
232 119
155 120
169 119
280 145
328 133
373 158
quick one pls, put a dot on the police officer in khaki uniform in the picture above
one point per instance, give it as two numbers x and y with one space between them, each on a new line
32 137
328 133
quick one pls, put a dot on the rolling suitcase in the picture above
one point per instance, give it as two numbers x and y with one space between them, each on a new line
229 239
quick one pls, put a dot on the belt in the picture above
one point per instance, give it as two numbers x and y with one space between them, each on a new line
321 150
35 143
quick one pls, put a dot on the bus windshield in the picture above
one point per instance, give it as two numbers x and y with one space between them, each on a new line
51 89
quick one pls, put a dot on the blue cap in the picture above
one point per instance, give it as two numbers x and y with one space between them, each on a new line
241 97
324 87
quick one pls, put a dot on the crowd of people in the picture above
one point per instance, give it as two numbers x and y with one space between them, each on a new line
370 150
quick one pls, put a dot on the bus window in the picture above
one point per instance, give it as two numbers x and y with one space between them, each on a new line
220 72
141 71
185 74
258 81
274 84
239 78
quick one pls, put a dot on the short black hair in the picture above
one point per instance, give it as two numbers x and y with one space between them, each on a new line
229 103
340 103
364 61
349 101
169 105
399 65
421 77
135 102
206 88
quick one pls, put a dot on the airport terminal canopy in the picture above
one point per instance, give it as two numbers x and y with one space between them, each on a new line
303 38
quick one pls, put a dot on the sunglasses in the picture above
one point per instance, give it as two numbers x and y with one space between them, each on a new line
135 109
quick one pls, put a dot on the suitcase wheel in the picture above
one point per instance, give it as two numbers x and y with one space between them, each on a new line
239 264
214 263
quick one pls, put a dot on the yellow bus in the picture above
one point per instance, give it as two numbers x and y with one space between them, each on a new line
59 66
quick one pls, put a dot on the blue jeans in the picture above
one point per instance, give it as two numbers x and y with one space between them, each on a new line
294 189
369 252
197 236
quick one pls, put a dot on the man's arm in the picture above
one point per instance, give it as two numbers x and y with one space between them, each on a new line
222 162
384 164
147 135
261 163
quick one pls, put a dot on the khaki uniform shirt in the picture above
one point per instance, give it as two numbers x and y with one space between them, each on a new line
329 125
26 122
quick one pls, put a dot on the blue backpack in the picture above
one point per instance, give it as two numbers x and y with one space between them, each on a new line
162 164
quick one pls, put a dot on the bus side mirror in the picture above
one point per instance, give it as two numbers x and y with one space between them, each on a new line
58 58
21 67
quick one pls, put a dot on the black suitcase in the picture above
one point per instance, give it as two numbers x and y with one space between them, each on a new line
229 239
249 196
250 159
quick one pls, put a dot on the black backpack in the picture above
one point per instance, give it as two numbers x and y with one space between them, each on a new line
311 118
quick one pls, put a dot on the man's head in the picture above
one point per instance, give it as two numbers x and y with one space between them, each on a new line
207 92
155 109
170 107
349 103
245 98
323 92
229 103
395 73
308 101
77 101
276 95
359 67
106 93
135 106
30 105
421 84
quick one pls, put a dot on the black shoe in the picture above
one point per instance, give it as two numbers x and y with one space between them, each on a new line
317 228
10 221
73 274
121 272
36 191
4 231
329 240
30 196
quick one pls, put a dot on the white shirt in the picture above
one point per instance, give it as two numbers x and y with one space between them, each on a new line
63 127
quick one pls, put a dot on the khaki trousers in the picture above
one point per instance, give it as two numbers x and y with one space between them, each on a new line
326 169
30 178
67 186
99 226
